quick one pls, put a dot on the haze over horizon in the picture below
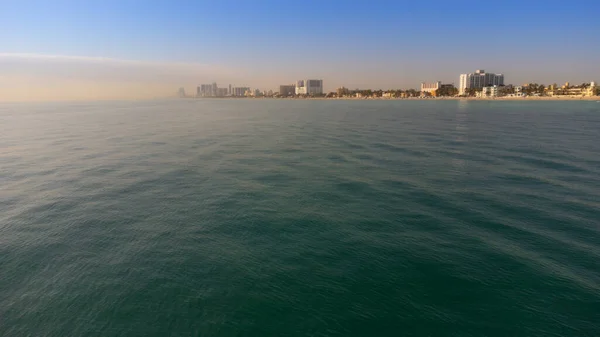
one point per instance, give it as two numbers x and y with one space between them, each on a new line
65 50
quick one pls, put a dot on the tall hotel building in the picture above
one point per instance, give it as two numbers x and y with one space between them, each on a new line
478 80
309 87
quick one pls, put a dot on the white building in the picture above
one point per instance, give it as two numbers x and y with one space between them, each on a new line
491 91
430 87
478 80
517 92
309 87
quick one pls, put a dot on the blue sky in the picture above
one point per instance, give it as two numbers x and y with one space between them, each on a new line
353 43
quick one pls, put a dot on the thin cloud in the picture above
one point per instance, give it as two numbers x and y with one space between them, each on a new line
110 61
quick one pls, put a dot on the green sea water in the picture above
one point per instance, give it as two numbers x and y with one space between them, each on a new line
300 218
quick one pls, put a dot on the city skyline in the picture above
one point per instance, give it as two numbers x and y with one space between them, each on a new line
111 49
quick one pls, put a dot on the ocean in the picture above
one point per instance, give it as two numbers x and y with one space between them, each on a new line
300 218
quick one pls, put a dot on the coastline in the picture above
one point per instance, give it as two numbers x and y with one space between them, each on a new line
528 98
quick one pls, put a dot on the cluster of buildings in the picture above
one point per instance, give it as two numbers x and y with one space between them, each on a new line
344 92
212 90
477 82
300 88
437 89
586 89
489 85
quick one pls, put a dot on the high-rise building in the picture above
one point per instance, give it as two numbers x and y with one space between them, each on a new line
181 92
287 90
239 91
478 80
212 90
309 87
205 90
221 92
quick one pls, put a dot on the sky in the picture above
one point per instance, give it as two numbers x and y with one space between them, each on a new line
86 49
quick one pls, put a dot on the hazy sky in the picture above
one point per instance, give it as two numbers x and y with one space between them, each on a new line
84 49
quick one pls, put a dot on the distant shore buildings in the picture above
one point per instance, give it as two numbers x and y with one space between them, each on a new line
309 87
478 84
212 90
585 90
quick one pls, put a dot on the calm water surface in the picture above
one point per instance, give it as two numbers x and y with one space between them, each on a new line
300 218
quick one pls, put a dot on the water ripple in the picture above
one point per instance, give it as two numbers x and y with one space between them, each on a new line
296 218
